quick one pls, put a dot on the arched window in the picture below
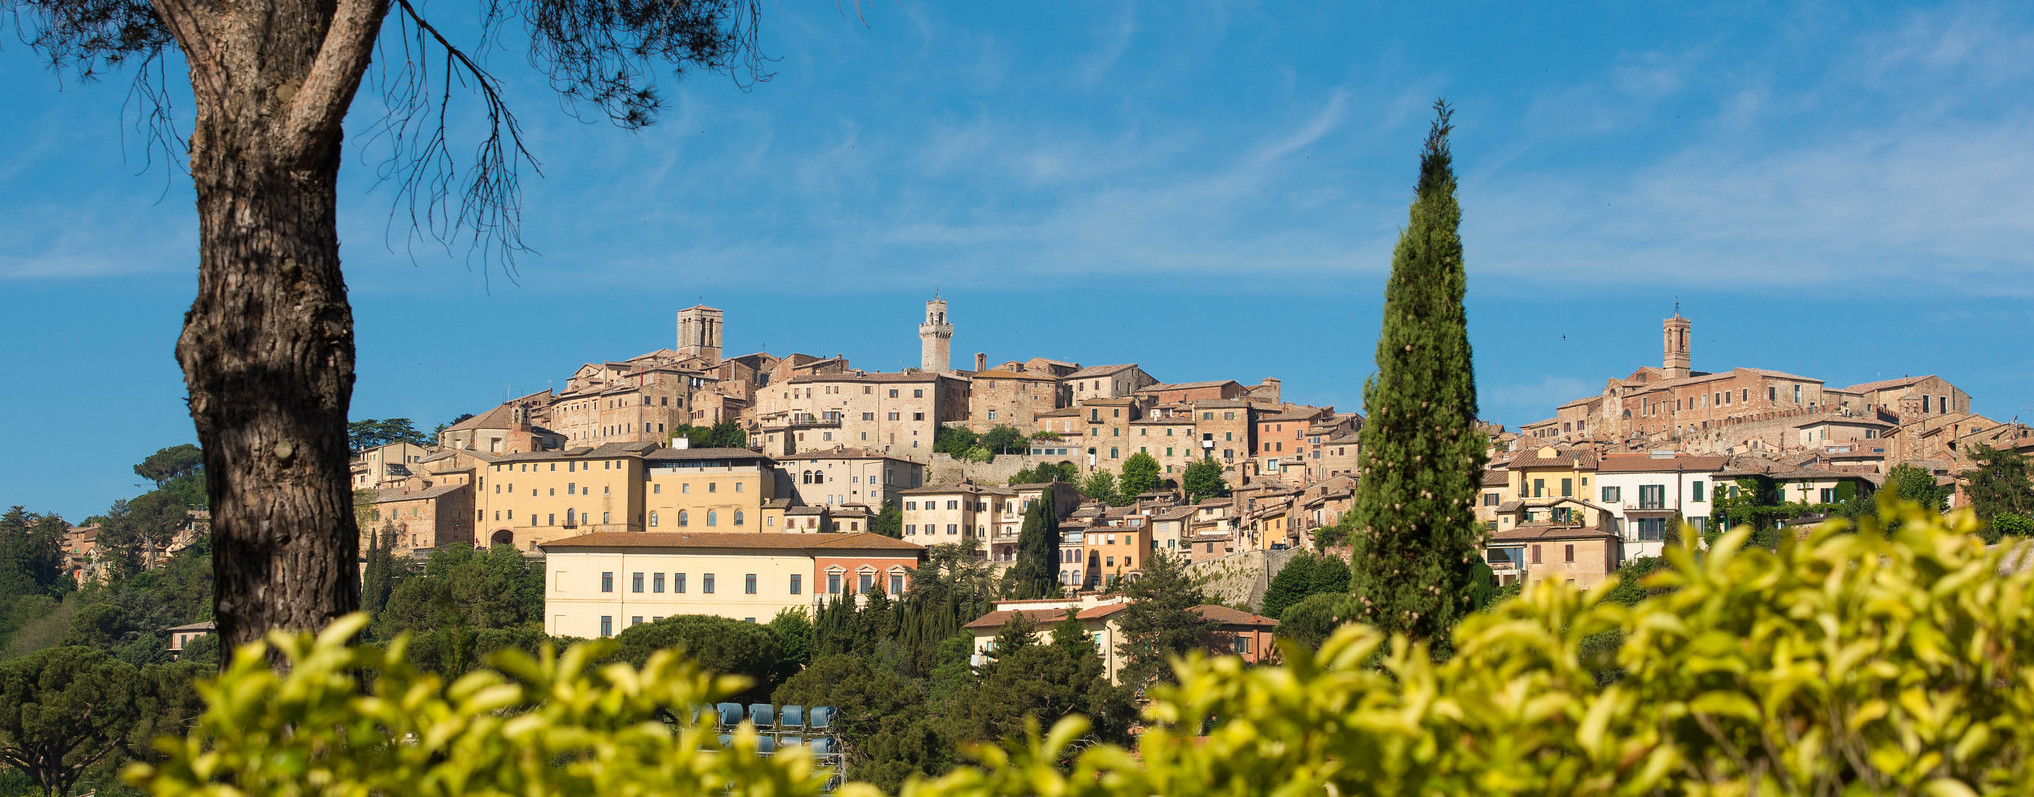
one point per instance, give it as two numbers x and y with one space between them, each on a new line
653 520
712 517
681 518
738 517
568 517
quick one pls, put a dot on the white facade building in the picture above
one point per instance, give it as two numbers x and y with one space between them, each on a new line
1643 492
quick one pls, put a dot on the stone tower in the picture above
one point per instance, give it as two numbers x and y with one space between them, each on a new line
1676 361
935 338
699 333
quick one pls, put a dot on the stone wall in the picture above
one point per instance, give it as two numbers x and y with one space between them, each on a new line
947 470
1240 579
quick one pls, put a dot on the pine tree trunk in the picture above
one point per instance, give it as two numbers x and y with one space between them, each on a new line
267 347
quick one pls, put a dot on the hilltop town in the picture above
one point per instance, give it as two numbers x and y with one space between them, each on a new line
830 448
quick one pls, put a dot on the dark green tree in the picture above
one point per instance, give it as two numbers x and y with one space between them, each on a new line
881 719
1036 573
1100 486
1203 479
169 463
1911 483
793 628
889 521
1293 583
64 710
1140 476
1029 680
1331 574
720 644
1005 439
1310 621
136 531
462 591
1160 621
726 434
377 575
953 441
2000 484
1422 452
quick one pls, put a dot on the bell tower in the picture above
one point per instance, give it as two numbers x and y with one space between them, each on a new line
699 333
935 338
1675 330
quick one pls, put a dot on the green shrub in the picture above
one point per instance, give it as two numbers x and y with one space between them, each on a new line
1866 662
553 724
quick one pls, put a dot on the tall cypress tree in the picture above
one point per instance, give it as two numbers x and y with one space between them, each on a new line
1416 535
1037 567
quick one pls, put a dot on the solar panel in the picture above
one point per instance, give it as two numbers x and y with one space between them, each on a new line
730 714
822 718
793 717
763 714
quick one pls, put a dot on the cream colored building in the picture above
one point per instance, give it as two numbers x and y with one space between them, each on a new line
386 465
527 499
1106 382
895 414
843 475
599 584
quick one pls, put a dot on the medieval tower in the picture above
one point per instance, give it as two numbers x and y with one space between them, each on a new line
935 338
1676 361
699 333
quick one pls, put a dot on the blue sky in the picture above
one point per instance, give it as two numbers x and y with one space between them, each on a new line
1836 189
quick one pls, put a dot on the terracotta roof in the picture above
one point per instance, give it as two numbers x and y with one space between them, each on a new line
957 487
840 452
387 497
1548 531
1188 385
1887 384
1099 370
863 376
1496 478
740 540
1647 463
1228 616
201 625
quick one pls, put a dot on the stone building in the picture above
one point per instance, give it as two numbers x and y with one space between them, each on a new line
891 413
699 335
935 339
513 427
1107 382
1000 397
842 475
410 521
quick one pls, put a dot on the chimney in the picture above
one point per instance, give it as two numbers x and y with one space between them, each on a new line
981 361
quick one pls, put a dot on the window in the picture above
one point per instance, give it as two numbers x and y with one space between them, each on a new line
636 620
1536 554
797 585
603 517
1567 488
657 582
712 518
682 518
896 583
1612 495
607 582
1695 491
706 583
636 583
1569 553
1828 495
657 489
1490 499
1651 529
1539 488
865 583
749 584
918 394
653 520
678 582
833 583
606 625
713 487
1242 645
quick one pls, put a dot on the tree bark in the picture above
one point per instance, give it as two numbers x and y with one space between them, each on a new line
267 347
